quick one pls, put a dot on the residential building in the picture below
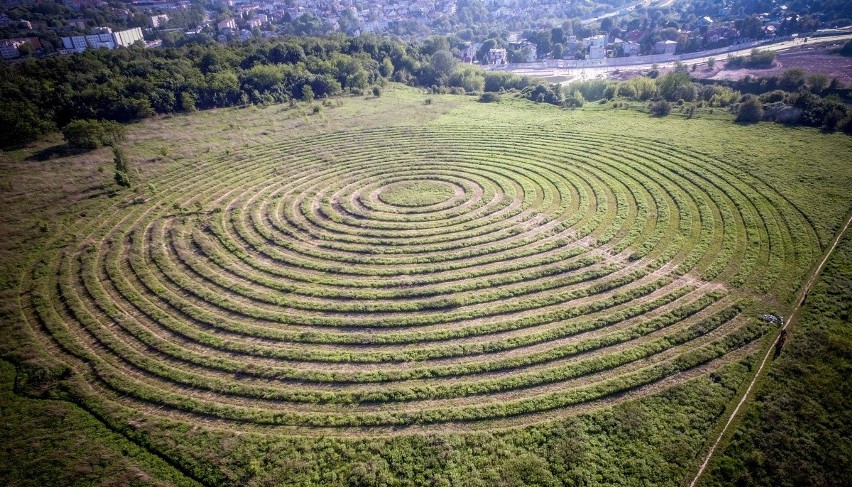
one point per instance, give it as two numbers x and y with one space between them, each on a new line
596 41
9 47
104 38
158 20
126 38
78 23
227 24
665 47
496 56
631 48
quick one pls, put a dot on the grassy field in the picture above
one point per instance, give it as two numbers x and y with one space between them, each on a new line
799 429
413 289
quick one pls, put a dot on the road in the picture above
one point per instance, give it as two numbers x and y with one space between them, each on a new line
628 8
634 63
793 315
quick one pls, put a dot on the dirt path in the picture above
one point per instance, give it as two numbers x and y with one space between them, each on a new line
800 300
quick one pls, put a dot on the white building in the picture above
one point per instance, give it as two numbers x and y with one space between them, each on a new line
497 56
159 20
227 24
665 47
104 39
631 48
596 41
126 38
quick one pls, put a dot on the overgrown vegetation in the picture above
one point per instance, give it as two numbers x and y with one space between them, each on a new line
797 430
378 269
758 59
37 96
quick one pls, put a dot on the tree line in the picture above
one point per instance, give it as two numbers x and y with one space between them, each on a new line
40 96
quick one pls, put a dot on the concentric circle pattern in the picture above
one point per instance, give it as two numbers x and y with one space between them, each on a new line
418 277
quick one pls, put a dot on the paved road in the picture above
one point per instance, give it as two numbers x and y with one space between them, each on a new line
692 58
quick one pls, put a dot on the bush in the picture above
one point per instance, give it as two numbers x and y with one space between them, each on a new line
489 97
761 59
773 96
756 60
122 169
572 101
660 108
377 91
91 134
750 110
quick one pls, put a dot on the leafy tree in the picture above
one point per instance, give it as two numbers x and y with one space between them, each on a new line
21 123
443 64
557 35
557 51
669 84
187 102
91 134
386 68
26 49
307 93
471 80
818 82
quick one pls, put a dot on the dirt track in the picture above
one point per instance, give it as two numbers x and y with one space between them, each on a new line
800 300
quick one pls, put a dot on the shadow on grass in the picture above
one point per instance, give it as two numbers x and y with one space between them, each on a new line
56 151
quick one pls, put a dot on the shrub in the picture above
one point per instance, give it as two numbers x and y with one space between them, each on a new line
761 59
773 96
792 79
307 93
489 97
91 134
122 170
660 108
572 101
750 110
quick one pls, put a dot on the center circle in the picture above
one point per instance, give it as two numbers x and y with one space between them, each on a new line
416 193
